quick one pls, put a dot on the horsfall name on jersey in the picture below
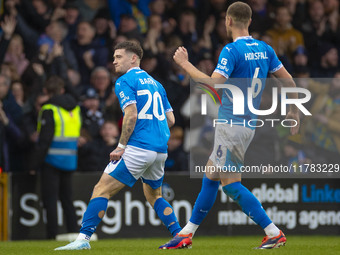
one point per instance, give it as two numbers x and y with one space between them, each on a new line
256 55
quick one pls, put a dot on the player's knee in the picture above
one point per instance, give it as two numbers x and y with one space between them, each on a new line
151 199
99 191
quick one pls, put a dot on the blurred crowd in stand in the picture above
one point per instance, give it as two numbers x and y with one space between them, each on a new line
74 40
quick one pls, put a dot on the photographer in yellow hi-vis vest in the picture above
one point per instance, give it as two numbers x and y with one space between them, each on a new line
55 154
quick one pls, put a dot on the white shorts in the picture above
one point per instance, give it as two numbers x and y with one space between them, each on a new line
230 145
138 163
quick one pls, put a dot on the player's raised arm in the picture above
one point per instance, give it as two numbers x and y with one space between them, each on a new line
181 58
129 122
287 81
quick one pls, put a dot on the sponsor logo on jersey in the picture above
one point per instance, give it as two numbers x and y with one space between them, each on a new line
221 67
224 61
252 44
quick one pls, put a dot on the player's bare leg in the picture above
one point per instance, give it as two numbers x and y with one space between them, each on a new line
107 187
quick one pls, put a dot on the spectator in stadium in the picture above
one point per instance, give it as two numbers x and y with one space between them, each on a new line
203 9
128 27
8 26
11 137
177 158
328 63
323 127
55 153
18 92
15 54
153 39
156 66
300 60
109 133
106 30
8 69
316 31
88 8
171 44
36 13
205 61
158 7
139 9
88 51
219 35
260 20
332 14
297 10
186 28
35 75
10 106
205 43
56 32
32 17
94 154
101 82
72 18
285 38
92 117
30 118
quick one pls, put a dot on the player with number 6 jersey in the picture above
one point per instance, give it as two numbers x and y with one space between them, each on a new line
249 58
249 61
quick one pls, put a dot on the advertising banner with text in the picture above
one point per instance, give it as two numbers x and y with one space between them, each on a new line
297 206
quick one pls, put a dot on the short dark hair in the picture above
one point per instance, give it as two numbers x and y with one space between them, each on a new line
130 46
54 85
240 12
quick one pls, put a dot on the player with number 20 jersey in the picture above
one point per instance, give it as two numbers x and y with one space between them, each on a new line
151 131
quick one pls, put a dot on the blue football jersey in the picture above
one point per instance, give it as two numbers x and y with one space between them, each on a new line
151 131
245 58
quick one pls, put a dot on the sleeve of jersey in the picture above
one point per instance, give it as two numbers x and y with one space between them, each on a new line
125 93
165 101
275 63
226 62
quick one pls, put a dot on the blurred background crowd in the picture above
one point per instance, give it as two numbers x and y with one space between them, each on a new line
74 40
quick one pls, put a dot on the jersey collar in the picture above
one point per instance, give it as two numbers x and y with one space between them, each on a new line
137 68
243 38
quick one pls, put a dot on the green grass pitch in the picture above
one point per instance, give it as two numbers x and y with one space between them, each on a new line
201 245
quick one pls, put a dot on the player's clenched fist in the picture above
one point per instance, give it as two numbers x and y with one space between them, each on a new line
116 154
181 55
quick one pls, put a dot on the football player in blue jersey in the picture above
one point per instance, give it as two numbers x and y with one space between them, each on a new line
245 57
142 148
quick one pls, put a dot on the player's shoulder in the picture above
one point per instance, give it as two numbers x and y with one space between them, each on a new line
230 47
128 77
119 82
263 44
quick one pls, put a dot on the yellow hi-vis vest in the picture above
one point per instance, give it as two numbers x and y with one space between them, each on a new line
62 153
